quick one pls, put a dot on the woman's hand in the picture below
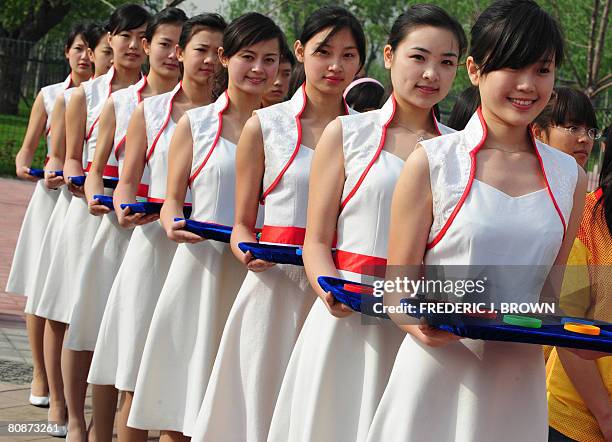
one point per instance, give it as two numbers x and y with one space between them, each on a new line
128 219
255 265
23 172
335 307
431 336
97 209
177 233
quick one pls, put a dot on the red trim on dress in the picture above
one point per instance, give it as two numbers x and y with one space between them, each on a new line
155 200
109 171
296 149
598 193
358 263
283 235
143 190
215 142
166 121
464 196
139 100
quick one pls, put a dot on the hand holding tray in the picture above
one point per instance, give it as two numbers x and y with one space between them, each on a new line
492 326
274 253
40 173
105 200
212 231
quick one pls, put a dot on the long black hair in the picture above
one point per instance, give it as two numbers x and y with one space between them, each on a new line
605 183
167 16
465 106
127 17
567 106
197 23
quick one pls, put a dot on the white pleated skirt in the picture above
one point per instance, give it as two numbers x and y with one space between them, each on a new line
184 337
467 391
101 266
31 235
257 342
47 247
130 307
66 267
336 376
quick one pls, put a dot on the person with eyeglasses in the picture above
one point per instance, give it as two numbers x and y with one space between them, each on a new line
568 123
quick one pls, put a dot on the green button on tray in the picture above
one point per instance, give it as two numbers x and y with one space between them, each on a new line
522 321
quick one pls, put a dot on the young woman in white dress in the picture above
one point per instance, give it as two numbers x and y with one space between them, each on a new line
126 26
140 277
106 253
489 195
23 269
341 362
205 277
273 157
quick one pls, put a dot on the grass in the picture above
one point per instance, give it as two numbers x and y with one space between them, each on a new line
12 131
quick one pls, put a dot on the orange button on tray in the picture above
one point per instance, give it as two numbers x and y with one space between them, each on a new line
582 328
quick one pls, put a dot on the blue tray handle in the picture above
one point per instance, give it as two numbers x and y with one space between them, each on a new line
105 201
78 181
273 253
207 230
110 183
362 303
40 173
147 208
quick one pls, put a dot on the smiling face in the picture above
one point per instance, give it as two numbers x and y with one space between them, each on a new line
423 66
128 52
280 87
162 50
253 68
78 58
199 58
515 97
332 66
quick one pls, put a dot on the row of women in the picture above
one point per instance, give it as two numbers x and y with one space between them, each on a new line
206 342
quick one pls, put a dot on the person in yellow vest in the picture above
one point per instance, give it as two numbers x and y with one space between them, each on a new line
580 391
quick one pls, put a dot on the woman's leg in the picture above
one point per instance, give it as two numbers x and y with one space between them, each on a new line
35 326
104 407
124 432
173 436
75 367
53 340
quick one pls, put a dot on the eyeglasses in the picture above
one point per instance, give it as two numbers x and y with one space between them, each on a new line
593 133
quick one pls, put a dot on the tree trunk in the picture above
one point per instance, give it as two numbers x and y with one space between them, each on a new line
13 59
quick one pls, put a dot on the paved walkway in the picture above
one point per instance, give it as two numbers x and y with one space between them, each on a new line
15 357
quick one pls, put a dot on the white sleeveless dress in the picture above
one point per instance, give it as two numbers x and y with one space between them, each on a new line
271 306
142 273
201 286
50 239
339 367
474 390
42 202
79 227
110 242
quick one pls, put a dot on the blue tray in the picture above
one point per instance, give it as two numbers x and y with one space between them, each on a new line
40 173
215 232
110 183
348 293
143 207
489 328
274 253
105 201
77 180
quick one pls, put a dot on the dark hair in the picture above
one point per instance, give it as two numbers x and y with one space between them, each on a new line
248 29
94 33
426 15
466 104
196 23
365 96
605 183
167 16
567 106
337 18
514 34
287 56
127 17
75 31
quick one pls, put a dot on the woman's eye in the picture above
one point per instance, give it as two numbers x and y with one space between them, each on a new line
418 57
322 52
448 62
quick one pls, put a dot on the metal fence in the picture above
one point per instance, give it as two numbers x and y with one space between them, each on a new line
24 68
